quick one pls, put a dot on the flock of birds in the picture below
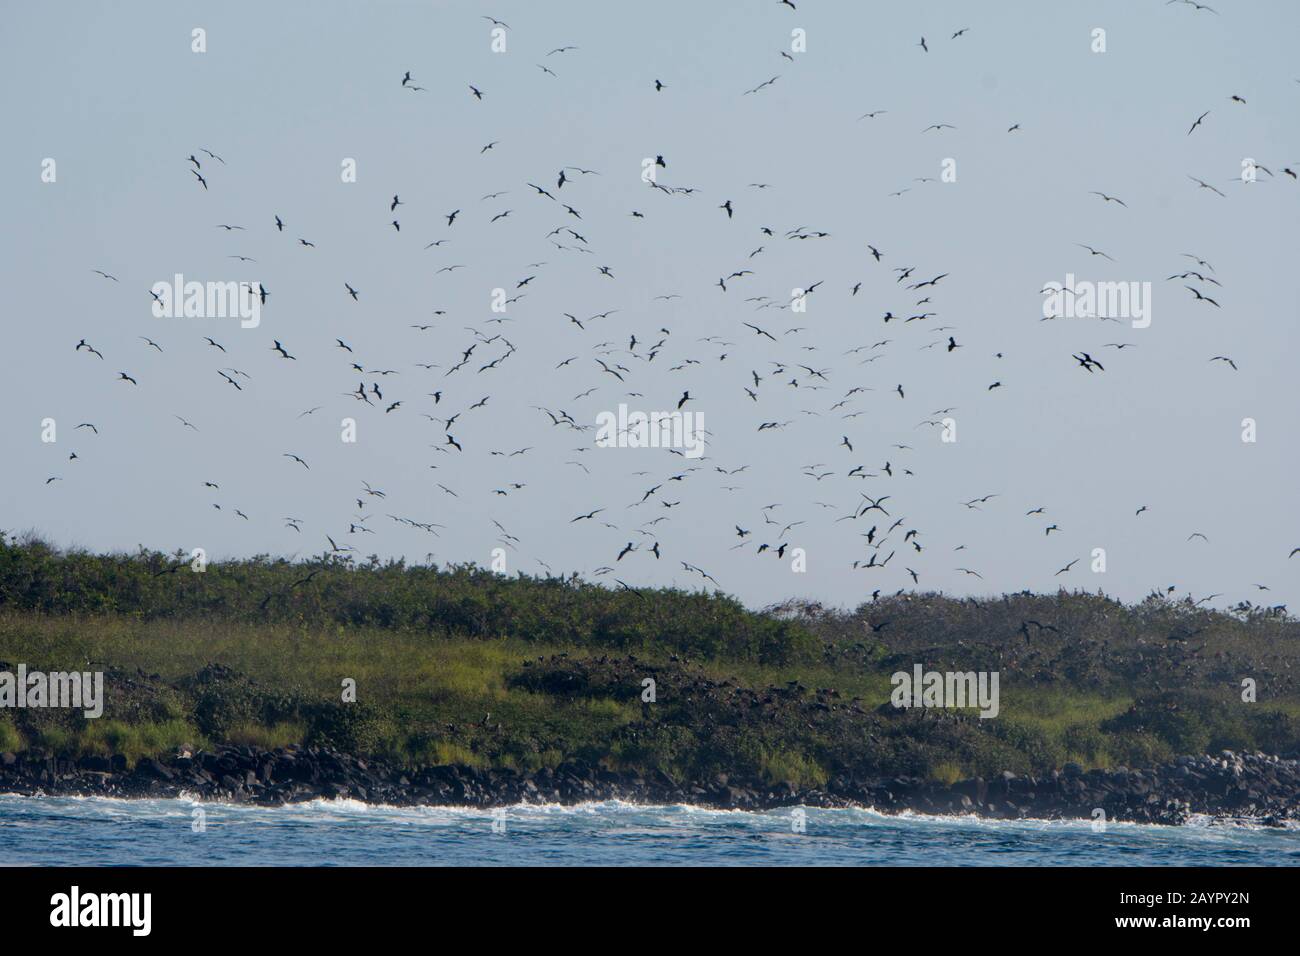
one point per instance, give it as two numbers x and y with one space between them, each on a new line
616 355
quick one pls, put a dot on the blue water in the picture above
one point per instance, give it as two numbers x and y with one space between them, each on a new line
96 831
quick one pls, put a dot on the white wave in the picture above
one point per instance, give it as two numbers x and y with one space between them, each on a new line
603 813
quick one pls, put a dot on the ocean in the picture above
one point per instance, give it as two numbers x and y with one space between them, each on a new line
92 831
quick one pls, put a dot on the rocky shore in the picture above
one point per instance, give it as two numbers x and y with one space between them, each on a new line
1257 787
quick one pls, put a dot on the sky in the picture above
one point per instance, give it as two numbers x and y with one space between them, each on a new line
287 94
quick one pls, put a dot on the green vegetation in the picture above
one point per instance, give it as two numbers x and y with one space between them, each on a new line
459 665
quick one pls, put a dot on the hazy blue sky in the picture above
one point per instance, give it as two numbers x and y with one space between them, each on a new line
287 91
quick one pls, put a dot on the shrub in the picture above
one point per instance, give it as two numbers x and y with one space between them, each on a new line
947 773
10 740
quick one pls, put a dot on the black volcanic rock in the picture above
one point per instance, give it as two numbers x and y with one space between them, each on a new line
1264 789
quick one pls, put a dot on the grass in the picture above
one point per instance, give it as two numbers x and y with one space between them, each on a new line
782 766
133 741
256 735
